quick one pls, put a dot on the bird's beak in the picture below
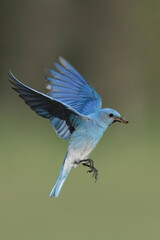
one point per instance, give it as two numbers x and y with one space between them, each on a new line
120 119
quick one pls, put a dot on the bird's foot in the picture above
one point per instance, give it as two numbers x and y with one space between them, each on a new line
95 173
90 163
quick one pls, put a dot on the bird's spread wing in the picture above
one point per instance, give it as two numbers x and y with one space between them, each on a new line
48 107
68 86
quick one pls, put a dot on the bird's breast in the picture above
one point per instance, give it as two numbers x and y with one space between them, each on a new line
83 141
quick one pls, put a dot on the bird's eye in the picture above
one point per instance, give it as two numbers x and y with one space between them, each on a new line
111 115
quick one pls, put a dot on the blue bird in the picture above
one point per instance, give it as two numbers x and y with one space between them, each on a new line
74 110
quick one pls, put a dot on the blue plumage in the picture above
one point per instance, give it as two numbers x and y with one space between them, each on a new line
60 181
70 87
74 110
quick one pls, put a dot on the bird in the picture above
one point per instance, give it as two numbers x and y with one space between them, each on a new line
75 111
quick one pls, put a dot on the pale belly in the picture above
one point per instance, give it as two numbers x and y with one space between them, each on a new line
81 150
82 144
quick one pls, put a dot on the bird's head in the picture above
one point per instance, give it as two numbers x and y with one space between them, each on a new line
110 116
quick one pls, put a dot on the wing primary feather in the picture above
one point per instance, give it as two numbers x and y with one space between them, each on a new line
68 73
48 107
68 66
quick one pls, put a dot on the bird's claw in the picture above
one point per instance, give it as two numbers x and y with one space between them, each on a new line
90 163
95 173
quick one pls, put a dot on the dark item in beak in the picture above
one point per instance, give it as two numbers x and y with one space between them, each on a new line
119 119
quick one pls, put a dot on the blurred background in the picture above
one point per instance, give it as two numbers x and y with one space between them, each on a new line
115 46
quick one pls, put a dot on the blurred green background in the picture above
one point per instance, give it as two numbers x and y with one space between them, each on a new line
115 45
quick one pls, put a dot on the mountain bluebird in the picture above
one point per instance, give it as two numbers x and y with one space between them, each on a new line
74 110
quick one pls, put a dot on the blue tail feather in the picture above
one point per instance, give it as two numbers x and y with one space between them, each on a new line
60 181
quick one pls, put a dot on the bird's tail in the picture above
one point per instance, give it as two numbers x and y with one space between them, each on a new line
61 179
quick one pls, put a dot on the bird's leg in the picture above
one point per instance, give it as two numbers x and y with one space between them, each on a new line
89 163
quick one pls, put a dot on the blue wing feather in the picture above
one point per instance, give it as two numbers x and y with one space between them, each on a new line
69 74
70 87
68 66
62 116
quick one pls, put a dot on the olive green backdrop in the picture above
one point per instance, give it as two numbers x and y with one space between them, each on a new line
115 46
